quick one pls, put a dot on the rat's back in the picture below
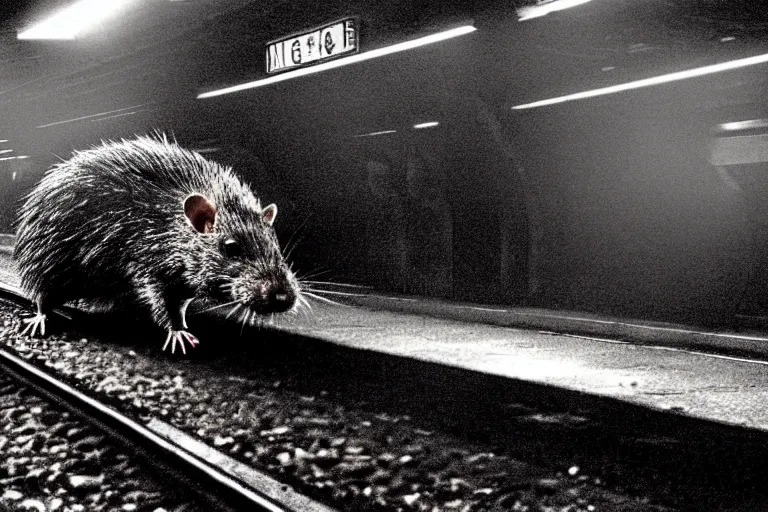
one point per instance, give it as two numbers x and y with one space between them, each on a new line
100 213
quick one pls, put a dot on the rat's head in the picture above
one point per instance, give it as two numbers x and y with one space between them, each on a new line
243 263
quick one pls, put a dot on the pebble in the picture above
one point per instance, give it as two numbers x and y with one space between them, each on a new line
410 499
223 441
548 484
354 469
33 505
284 458
12 495
86 481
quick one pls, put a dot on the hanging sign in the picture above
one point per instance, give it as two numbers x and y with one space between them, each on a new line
313 46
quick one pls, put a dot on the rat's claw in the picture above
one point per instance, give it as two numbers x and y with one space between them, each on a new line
193 342
33 324
179 337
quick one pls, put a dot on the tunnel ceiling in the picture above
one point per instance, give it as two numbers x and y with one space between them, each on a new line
158 50
139 45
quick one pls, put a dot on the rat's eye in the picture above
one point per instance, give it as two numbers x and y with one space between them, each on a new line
231 248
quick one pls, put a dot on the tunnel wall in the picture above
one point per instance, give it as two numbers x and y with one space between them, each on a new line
628 204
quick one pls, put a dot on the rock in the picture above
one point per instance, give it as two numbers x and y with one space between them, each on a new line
385 459
86 482
548 485
12 495
223 441
33 505
354 469
410 499
88 443
354 450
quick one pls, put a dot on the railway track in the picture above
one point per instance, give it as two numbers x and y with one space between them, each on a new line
185 472
306 425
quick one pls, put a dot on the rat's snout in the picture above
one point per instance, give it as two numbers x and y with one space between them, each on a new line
274 296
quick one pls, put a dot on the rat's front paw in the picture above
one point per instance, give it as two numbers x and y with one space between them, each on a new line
34 324
179 337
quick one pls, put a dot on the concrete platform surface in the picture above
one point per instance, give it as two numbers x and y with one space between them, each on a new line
715 387
649 370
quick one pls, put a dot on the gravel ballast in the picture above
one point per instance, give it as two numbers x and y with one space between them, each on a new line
52 460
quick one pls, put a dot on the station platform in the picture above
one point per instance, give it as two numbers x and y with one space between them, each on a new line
714 376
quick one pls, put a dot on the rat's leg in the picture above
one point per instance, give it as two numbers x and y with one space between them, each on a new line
168 310
36 323
177 332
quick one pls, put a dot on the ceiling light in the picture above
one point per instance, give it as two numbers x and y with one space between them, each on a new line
544 8
647 82
69 22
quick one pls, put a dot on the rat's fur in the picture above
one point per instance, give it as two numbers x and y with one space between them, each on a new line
109 225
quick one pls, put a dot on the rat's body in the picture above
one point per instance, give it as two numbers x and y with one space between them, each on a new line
148 223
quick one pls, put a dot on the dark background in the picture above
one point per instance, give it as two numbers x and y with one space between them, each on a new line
610 204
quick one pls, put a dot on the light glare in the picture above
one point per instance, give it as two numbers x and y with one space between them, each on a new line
344 61
752 124
71 21
647 82
373 134
536 11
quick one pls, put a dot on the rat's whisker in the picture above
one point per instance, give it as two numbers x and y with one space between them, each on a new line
220 306
245 321
323 299
344 294
233 310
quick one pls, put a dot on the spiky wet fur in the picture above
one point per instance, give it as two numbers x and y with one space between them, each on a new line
108 225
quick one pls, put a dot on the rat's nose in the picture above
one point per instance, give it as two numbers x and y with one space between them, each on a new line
274 293
281 299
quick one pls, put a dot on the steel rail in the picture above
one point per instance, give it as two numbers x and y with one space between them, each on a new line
160 445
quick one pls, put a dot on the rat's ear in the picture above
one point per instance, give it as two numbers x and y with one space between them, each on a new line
269 213
200 212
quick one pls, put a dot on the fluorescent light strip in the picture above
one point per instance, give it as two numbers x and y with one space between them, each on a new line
426 125
344 61
536 11
3 140
90 116
373 134
69 22
6 151
22 157
647 82
752 124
